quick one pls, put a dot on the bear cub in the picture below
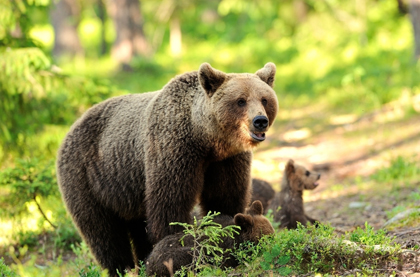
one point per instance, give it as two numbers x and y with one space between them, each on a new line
296 178
262 191
169 252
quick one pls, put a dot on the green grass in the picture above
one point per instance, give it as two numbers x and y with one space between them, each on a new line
306 250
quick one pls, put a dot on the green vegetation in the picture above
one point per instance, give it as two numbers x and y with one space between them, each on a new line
306 250
344 63
319 250
206 235
5 271
401 170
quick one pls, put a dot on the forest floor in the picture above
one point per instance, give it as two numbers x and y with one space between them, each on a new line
348 151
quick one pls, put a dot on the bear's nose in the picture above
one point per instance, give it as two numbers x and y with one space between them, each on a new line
260 122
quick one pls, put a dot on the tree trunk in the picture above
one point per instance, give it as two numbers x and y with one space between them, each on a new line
175 37
102 18
415 20
65 17
301 10
402 7
130 40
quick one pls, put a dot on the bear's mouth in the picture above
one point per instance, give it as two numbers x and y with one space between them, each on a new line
316 184
258 136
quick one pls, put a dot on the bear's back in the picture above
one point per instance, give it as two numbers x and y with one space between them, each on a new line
106 132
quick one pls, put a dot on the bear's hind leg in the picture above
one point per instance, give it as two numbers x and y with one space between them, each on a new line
107 237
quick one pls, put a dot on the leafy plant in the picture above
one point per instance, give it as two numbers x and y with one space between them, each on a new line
247 252
276 262
91 270
84 262
318 250
369 237
5 271
34 94
401 168
29 181
207 235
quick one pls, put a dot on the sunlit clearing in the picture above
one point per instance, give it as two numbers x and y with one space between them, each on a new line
416 103
296 135
6 228
343 119
31 223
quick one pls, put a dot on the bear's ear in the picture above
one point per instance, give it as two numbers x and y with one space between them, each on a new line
267 73
290 168
210 78
244 221
256 208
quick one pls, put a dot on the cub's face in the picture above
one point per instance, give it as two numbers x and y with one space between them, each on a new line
300 178
253 223
244 105
308 178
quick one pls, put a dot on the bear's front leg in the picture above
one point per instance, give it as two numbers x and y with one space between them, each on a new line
172 188
227 185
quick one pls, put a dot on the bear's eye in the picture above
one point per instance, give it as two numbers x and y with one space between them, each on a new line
264 102
241 102
307 173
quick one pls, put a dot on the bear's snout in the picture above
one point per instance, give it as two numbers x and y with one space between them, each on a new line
260 122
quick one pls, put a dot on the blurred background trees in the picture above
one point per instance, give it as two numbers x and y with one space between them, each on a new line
58 58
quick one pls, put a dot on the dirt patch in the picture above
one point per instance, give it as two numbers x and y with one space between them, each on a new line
346 155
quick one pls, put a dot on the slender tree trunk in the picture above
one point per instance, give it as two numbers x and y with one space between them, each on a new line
102 18
402 7
300 9
130 40
415 20
175 37
65 17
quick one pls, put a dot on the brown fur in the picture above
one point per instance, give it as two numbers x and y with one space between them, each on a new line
262 191
253 225
153 156
296 178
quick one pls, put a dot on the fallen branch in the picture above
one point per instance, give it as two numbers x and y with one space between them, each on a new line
42 212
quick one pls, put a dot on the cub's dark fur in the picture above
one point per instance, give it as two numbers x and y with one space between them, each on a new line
170 250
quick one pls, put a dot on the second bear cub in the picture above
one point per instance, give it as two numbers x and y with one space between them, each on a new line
296 178
253 226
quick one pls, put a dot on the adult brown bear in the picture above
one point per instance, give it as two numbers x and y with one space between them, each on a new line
153 156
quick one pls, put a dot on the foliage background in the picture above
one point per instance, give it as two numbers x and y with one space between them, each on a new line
348 58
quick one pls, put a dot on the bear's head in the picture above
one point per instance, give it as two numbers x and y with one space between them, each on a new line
299 178
244 105
253 223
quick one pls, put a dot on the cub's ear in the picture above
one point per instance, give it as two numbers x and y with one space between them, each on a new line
290 168
210 79
267 73
244 221
256 208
